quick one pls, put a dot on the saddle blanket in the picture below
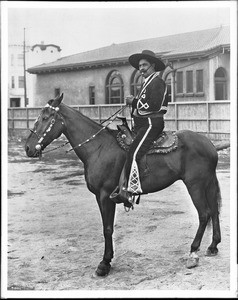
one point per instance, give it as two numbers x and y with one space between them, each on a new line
167 142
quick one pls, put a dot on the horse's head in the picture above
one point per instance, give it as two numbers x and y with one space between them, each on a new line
48 127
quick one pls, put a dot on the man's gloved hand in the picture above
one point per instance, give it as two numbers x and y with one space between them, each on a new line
129 99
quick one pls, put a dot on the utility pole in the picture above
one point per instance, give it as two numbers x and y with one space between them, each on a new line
24 64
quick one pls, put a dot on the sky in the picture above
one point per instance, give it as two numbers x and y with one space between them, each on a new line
83 26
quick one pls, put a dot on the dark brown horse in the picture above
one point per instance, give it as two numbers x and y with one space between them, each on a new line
194 162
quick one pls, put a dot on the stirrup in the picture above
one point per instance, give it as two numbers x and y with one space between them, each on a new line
127 208
131 198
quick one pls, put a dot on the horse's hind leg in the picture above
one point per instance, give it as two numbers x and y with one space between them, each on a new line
216 238
198 196
214 199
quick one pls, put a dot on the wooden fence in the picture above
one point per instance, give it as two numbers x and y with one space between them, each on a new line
209 118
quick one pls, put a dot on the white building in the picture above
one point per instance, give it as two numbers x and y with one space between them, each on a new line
35 55
197 69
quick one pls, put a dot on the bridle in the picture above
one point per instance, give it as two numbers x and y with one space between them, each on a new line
39 145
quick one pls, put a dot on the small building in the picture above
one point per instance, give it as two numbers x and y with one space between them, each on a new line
197 69
16 75
35 55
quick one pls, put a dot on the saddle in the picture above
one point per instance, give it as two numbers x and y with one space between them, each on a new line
166 142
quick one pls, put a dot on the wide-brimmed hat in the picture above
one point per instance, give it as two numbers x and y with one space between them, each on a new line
148 55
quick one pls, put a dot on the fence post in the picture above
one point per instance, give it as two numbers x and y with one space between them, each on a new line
208 118
99 114
13 115
27 118
176 115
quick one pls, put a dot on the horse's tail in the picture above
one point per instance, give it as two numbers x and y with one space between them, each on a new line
213 196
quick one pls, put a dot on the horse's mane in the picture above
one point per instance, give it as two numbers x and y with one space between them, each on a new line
113 132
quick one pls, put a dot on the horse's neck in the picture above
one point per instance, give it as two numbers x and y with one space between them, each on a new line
79 129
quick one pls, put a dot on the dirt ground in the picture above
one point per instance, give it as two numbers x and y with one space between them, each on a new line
55 239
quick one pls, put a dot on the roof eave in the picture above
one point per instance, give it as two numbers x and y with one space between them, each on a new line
78 66
196 54
124 60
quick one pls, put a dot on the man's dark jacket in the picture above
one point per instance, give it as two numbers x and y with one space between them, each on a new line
152 100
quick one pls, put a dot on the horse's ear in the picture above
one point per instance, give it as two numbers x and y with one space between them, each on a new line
58 100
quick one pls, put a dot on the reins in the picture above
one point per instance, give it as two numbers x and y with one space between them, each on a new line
81 144
113 117
56 147
50 149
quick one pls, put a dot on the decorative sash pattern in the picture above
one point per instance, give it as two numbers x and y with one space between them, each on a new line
141 105
147 83
134 185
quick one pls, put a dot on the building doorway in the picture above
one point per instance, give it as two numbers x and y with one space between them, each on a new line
220 84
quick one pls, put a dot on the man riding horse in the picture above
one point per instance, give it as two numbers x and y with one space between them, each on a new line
148 109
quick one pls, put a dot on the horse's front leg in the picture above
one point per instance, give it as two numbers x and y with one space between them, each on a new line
107 209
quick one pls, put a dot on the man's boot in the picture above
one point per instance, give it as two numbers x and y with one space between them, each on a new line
120 193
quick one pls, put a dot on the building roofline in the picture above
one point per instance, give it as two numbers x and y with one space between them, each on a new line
121 61
195 54
77 66
211 43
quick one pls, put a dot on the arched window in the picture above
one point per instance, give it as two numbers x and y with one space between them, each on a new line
136 82
168 83
220 84
114 88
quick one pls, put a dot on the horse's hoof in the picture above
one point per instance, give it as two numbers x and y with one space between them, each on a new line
192 261
211 252
103 269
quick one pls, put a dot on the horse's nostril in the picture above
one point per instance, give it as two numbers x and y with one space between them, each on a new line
27 149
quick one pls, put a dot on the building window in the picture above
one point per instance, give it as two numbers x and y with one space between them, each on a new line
13 82
15 102
12 60
21 82
92 95
199 81
136 82
57 92
179 82
220 84
114 88
20 59
189 81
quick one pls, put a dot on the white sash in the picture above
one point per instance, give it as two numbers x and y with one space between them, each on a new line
148 82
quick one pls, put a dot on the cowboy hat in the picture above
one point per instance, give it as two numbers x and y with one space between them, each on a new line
148 55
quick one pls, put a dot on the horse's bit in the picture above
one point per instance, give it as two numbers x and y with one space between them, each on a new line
38 147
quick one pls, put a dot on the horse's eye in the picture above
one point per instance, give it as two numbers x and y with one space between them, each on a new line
44 117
